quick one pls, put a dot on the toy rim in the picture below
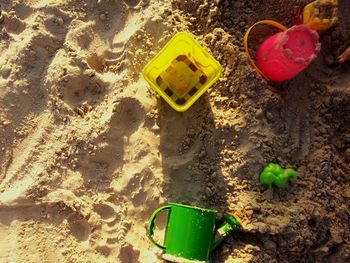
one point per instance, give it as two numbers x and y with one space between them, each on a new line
246 35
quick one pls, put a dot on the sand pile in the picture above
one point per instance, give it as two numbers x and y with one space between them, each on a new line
88 151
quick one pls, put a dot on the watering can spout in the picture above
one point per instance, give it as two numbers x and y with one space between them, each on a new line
231 223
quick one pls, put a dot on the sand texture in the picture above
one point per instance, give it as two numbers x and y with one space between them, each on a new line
88 150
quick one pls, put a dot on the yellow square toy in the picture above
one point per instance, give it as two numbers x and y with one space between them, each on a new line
182 71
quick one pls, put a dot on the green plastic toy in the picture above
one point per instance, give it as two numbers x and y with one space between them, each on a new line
275 175
191 232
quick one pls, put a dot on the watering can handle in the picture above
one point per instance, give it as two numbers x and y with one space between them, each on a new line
151 225
266 22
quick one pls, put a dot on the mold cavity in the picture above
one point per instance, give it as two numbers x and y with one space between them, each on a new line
193 91
180 101
168 92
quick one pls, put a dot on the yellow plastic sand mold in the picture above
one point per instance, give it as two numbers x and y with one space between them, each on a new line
182 71
321 14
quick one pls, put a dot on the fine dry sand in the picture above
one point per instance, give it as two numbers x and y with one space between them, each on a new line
88 150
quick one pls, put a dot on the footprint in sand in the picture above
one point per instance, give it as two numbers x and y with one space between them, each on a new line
296 108
116 233
137 189
125 118
70 80
128 114
128 254
105 211
13 24
79 227
113 230
79 87
300 134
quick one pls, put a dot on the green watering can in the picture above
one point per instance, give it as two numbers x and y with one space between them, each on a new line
191 233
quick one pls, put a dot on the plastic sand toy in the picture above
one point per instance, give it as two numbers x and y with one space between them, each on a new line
275 175
321 14
191 232
284 55
263 30
182 71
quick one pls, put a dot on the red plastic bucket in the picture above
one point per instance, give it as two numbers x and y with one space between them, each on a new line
284 55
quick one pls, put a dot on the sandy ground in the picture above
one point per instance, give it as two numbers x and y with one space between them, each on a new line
88 151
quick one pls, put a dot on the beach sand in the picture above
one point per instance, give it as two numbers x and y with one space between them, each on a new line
88 150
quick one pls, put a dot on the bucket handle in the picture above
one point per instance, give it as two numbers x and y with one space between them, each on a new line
151 225
246 35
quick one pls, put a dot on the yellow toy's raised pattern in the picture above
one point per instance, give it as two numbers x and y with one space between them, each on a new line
182 71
